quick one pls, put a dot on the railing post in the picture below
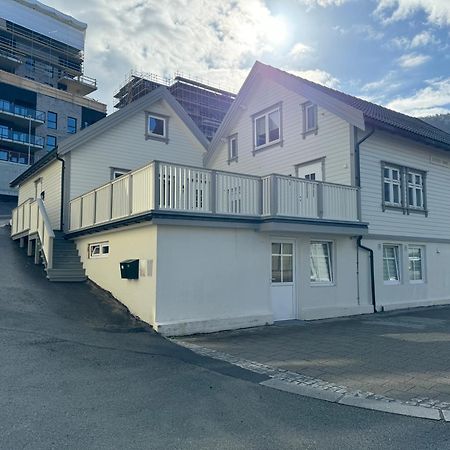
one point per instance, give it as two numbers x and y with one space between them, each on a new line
156 189
261 194
130 194
273 195
111 201
81 212
320 200
358 204
213 192
94 218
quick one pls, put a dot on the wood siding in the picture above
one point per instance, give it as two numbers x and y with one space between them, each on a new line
331 142
404 152
125 147
51 185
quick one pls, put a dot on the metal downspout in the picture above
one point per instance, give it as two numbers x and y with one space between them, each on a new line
61 219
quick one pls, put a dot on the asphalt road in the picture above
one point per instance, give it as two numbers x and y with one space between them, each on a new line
77 372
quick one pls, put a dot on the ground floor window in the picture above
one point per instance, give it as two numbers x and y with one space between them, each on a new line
282 262
321 262
391 263
98 249
415 264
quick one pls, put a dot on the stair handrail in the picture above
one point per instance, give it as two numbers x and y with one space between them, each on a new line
45 233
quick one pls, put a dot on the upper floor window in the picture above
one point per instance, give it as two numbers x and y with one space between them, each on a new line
403 188
156 127
233 148
309 118
71 125
267 127
52 120
51 142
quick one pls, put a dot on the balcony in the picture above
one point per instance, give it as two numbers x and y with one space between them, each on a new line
170 190
20 140
21 114
80 85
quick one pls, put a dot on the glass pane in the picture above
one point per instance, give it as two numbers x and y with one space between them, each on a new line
418 179
396 193
274 126
419 198
387 192
287 269
386 173
260 130
156 126
287 249
311 118
276 249
276 269
411 196
395 174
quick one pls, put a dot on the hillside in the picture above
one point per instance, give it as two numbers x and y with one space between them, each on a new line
441 121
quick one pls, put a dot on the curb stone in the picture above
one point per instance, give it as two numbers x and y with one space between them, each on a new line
307 386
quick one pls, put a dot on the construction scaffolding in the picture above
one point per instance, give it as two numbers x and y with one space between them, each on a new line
205 104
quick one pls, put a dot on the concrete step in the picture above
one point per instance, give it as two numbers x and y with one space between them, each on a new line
67 279
62 259
66 271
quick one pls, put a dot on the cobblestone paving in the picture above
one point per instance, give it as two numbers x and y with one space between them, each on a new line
402 356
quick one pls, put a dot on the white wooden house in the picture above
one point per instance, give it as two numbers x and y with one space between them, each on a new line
308 204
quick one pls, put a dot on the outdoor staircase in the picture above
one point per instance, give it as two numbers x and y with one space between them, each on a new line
66 261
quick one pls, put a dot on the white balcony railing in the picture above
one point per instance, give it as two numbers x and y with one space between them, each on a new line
161 186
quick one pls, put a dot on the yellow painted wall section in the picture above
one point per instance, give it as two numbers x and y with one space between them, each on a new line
139 296
51 185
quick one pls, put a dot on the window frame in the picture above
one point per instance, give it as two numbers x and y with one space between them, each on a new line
55 122
397 260
282 254
404 186
69 118
154 136
265 114
330 257
116 170
102 246
422 264
306 128
233 138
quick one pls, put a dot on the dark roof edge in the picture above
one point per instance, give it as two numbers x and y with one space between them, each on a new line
47 159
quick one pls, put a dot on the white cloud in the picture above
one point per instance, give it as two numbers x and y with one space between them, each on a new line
411 60
318 76
299 50
437 11
423 39
380 87
217 40
433 99
323 3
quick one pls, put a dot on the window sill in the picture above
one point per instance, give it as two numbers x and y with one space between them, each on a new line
261 148
322 284
405 209
232 160
416 282
156 138
391 283
308 132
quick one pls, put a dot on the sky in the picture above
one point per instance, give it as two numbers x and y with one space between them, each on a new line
393 52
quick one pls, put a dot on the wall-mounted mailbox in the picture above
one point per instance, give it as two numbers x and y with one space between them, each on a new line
129 269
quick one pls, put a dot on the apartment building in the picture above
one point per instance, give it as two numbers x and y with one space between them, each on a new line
43 89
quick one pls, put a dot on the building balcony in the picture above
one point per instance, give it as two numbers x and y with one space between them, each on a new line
8 60
19 140
165 191
80 85
21 114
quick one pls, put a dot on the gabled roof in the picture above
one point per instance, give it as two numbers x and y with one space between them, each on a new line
354 110
85 135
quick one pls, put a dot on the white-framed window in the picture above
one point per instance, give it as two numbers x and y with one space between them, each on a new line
156 126
267 127
391 264
98 249
310 117
415 189
415 264
321 262
233 148
116 173
282 262
392 185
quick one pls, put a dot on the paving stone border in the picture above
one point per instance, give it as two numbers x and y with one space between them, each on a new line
297 383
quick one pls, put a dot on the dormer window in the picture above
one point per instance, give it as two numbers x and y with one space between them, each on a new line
156 127
309 118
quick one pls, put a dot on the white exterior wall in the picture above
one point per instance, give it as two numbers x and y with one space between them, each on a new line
139 296
343 297
332 140
435 290
212 279
51 185
125 147
405 152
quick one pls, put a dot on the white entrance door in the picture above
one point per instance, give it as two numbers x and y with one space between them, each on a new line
310 171
282 286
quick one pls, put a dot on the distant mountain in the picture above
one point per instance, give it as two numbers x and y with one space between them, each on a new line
441 121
